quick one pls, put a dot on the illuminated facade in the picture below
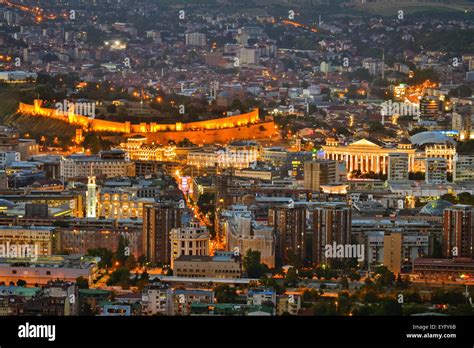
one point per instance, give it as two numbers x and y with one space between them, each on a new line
120 204
192 240
138 150
42 238
91 205
446 151
242 233
99 125
366 156
81 166
236 155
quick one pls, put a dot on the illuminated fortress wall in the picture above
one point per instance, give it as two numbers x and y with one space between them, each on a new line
99 125
264 130
221 130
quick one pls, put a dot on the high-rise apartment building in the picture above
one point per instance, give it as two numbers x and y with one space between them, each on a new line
289 225
158 220
331 224
458 232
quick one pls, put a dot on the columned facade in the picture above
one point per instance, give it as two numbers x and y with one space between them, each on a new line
366 156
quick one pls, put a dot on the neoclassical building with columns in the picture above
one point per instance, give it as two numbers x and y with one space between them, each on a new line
367 155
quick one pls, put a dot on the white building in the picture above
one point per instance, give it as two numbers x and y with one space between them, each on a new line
138 150
195 39
436 170
398 164
17 76
237 155
8 157
248 55
242 233
192 240
82 166
155 299
463 168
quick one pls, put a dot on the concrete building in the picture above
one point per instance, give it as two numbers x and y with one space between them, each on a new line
78 240
319 172
243 233
40 238
154 299
195 39
392 251
458 232
223 264
236 155
248 55
121 203
137 149
463 168
398 164
436 171
289 225
288 303
446 151
261 296
158 220
82 166
331 223
181 300
42 270
462 123
8 157
192 240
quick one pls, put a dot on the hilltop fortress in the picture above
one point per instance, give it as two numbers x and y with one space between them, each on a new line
239 127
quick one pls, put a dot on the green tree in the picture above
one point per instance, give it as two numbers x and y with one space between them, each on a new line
82 283
225 294
121 277
252 264
383 277
123 251
291 278
106 256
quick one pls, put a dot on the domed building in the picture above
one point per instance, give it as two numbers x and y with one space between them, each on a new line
5 204
435 208
431 138
434 145
224 99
